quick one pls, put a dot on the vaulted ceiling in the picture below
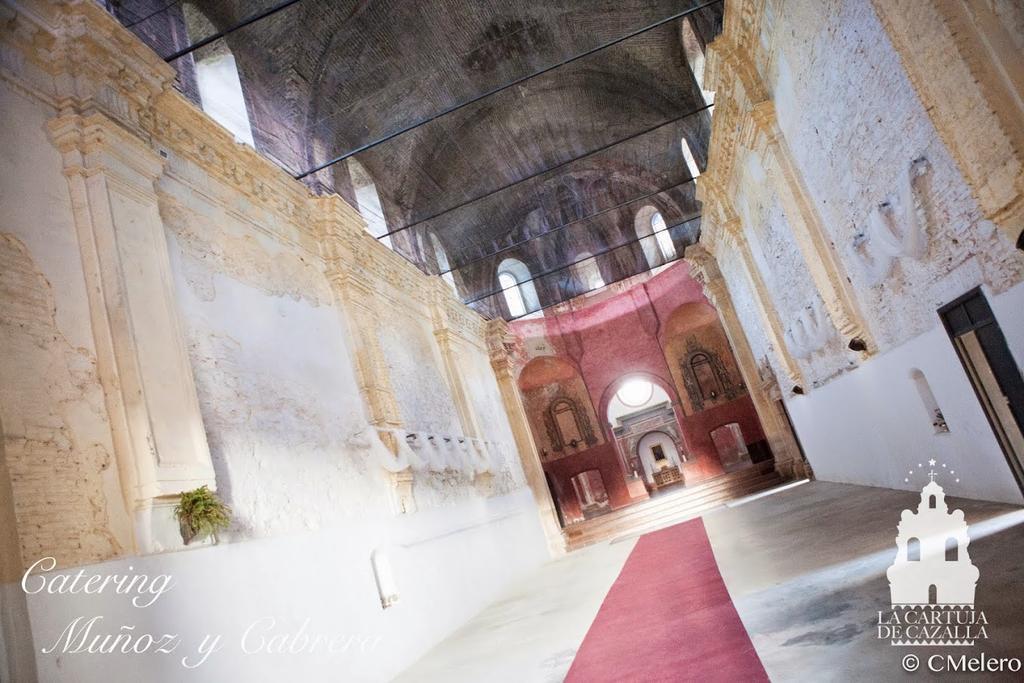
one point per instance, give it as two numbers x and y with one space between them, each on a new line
551 167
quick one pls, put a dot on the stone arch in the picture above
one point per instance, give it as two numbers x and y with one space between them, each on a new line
610 391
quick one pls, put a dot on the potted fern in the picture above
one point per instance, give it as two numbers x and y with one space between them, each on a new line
200 514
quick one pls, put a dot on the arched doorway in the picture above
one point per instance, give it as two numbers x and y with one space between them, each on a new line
661 460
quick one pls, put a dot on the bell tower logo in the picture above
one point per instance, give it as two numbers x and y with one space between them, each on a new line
932 580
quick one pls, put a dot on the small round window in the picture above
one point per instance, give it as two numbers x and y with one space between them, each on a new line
635 392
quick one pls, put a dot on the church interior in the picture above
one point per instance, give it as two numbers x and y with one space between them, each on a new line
509 340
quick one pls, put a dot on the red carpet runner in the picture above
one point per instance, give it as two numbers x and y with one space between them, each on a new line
668 617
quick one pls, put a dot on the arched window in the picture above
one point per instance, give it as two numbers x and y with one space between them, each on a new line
368 201
693 49
654 237
691 162
913 550
933 594
661 236
588 272
513 295
931 501
220 89
516 286
441 257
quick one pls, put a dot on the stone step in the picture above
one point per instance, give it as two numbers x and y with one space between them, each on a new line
670 516
667 510
680 495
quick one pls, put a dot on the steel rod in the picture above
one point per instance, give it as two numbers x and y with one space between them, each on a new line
566 225
495 91
549 169
495 292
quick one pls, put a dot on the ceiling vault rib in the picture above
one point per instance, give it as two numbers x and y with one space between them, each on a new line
566 225
564 266
549 169
495 91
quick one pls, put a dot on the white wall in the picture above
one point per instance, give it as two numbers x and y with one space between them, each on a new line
870 426
854 124
445 572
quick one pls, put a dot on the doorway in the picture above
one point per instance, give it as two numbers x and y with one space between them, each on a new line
997 381
591 493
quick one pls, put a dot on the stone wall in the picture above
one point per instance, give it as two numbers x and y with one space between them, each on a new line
842 220
175 311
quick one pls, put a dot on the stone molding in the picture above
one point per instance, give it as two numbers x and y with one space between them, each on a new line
121 127
956 46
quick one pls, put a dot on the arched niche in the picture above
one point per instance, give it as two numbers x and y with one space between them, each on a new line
558 407
608 395
699 356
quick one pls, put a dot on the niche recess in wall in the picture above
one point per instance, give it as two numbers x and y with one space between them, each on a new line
387 587
931 406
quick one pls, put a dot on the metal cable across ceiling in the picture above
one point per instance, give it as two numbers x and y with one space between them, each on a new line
490 129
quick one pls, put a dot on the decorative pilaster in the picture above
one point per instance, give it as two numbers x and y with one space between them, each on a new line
500 344
729 237
704 269
339 228
142 361
761 125
450 319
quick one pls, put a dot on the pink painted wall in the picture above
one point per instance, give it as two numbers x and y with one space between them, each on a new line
621 335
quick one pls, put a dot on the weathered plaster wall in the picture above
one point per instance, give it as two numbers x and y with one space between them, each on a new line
415 366
854 124
275 384
782 266
818 129
56 433
252 283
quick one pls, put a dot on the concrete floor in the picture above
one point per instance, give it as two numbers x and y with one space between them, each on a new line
805 568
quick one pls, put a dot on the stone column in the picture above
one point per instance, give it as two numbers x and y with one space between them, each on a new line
142 360
500 342
704 269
